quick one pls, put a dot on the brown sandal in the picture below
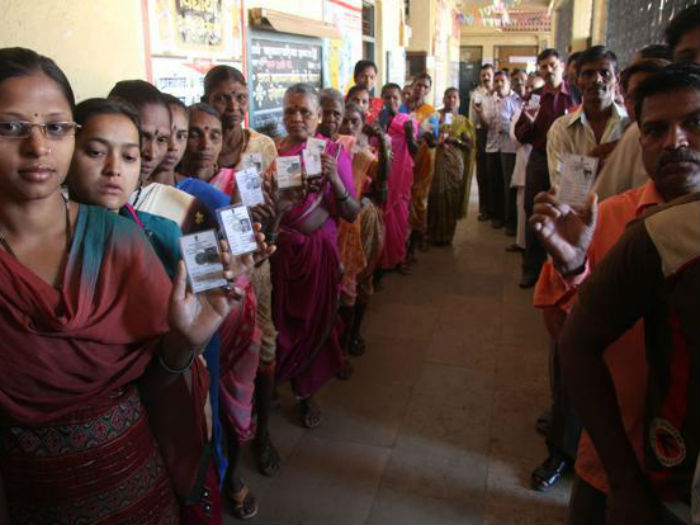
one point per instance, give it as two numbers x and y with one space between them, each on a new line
245 506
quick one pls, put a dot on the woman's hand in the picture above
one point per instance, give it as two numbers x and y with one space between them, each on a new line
194 318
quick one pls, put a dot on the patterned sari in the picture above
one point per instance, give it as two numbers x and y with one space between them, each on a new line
450 188
422 173
306 283
75 443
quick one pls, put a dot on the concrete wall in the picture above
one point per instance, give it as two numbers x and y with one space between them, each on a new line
95 42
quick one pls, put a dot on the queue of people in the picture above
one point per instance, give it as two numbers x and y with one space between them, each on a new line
126 397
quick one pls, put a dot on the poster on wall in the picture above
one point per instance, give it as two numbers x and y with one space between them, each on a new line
346 15
275 63
189 37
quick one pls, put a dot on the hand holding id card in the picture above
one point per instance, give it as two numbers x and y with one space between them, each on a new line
577 177
203 261
289 172
249 185
238 229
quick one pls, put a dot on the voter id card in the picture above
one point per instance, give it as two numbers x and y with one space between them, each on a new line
238 229
314 144
252 160
289 172
201 254
249 184
577 177
312 162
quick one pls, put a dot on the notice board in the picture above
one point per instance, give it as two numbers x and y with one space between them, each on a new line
275 62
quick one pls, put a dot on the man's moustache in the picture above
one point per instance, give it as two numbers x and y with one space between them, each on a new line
679 155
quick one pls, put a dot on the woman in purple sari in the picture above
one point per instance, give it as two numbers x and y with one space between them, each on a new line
306 267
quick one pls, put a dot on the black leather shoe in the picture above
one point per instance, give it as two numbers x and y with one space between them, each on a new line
483 217
512 248
549 472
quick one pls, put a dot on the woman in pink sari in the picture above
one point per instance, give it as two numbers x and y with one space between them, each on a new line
306 267
403 132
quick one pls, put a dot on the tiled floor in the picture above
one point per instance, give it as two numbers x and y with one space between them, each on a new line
437 424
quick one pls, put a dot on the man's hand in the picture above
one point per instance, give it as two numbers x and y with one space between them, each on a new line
564 232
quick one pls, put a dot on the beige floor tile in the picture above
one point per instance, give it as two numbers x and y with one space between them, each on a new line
449 412
325 482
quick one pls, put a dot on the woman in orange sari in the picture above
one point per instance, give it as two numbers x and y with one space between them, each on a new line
424 163
371 167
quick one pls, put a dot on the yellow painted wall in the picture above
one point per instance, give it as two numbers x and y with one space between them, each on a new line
95 42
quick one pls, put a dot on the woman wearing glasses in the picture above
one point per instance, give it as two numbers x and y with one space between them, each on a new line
86 314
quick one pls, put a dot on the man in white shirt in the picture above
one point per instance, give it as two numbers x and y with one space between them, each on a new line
497 115
594 128
623 169
476 100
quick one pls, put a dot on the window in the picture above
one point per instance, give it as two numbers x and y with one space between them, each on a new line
368 31
633 24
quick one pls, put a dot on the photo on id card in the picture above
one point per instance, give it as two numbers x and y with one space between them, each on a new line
249 184
201 254
238 229
288 172
577 177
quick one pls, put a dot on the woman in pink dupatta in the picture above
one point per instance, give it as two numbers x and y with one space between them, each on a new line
403 132
306 268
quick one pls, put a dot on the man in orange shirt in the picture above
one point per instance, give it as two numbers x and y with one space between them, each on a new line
668 111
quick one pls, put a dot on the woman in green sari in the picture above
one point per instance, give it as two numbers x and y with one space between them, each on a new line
454 163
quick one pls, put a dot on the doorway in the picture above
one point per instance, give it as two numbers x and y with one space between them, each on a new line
470 58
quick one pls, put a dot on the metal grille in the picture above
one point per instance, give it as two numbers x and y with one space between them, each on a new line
633 24
564 20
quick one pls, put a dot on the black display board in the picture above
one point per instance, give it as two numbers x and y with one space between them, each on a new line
275 62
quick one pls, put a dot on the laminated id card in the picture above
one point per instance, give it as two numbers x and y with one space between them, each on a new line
448 119
312 163
253 160
289 172
314 144
249 186
201 254
238 229
577 177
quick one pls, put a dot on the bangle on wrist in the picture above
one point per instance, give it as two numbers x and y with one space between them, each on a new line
175 371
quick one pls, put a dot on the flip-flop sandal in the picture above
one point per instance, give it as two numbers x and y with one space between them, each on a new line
245 506
268 459
310 414
357 347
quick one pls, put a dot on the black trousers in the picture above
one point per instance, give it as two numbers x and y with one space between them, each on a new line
496 205
482 177
510 210
565 426
587 505
536 180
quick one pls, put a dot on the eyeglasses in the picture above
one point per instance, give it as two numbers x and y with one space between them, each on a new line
52 130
